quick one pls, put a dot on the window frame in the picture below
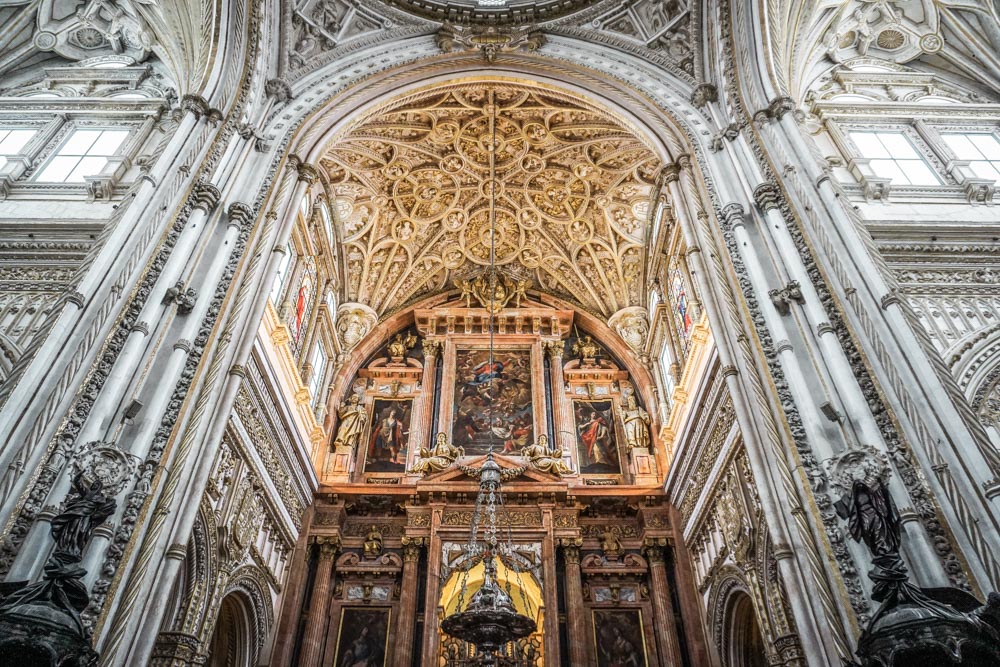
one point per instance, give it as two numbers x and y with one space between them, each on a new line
54 152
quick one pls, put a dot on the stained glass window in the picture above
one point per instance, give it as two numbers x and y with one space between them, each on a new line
680 307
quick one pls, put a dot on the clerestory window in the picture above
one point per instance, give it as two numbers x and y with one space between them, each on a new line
981 149
12 141
84 153
893 156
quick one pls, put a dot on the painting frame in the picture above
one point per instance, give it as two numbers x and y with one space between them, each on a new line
597 448
612 618
379 445
506 408
363 619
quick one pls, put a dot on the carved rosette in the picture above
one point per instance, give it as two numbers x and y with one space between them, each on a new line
354 322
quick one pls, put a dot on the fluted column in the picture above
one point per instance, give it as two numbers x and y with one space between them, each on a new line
663 609
576 619
562 409
312 638
427 430
407 602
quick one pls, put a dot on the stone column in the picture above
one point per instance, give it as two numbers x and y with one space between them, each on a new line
319 604
562 410
663 609
407 602
576 614
425 429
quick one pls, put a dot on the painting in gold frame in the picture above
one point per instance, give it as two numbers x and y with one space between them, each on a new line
363 637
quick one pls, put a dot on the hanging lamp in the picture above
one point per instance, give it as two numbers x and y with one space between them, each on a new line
490 620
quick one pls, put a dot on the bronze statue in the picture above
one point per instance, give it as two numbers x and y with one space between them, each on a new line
373 543
586 349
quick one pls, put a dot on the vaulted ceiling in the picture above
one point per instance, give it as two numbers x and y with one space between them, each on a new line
411 184
957 38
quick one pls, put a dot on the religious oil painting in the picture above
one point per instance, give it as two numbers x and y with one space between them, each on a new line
390 433
492 401
363 638
595 438
618 634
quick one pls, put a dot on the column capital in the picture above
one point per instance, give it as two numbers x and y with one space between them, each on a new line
767 195
240 214
554 348
571 549
206 196
412 547
734 214
655 550
329 545
432 347
307 173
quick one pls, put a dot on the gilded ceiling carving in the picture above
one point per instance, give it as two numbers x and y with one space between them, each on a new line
412 186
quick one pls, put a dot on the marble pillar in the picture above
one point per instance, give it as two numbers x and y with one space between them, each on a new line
405 626
312 638
663 608
576 612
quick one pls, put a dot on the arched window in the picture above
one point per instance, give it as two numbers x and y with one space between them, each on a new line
232 638
680 309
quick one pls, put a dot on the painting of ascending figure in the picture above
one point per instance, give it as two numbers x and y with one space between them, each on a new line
492 401
595 438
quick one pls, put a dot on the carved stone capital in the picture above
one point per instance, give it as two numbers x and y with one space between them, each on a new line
655 550
240 214
431 347
328 545
196 104
734 215
279 90
670 174
555 349
206 196
411 548
704 93
571 549
307 173
767 196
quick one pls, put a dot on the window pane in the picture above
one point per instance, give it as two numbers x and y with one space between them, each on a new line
79 142
961 146
88 166
984 169
869 145
889 169
918 173
988 145
15 140
898 146
108 143
58 169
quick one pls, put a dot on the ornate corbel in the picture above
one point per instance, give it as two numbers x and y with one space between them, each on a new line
784 297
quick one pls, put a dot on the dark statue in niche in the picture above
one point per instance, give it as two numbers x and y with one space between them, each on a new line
40 623
913 626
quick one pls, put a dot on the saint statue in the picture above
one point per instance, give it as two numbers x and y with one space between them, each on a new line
545 459
611 545
352 423
87 507
439 458
373 543
635 424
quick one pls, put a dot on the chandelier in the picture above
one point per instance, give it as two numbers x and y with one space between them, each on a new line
490 620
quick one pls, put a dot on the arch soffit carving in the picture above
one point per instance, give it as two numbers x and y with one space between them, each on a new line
729 587
247 586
